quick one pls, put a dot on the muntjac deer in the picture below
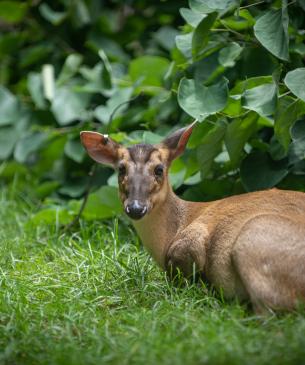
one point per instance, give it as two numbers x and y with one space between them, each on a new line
252 246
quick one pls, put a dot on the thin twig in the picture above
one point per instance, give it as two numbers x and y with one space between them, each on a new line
118 107
249 6
86 196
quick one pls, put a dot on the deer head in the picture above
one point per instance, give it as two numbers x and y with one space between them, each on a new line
142 168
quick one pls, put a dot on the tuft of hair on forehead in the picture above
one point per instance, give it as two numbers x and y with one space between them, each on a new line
141 152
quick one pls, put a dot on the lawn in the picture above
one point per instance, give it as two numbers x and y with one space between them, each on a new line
93 296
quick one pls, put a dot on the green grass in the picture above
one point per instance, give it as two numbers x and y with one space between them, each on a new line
93 296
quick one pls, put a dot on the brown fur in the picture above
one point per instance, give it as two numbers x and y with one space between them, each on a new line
252 246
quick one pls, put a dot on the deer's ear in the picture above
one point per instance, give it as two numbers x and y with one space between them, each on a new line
177 141
100 147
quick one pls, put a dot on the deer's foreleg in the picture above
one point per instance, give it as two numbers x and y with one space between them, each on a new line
187 253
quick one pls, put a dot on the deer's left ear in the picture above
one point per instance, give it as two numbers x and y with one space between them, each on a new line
100 147
177 141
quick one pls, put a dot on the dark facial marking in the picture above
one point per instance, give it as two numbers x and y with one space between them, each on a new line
122 170
141 152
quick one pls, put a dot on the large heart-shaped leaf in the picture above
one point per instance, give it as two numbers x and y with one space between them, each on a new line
191 17
69 106
228 55
295 81
149 70
208 6
201 33
103 203
75 150
262 99
289 110
258 171
117 103
210 147
271 30
28 145
199 101
238 133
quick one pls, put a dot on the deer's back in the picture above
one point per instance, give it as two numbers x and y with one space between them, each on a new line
228 218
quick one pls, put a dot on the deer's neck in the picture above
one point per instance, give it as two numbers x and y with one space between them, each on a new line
158 229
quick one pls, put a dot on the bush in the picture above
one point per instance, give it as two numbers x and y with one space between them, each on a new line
138 70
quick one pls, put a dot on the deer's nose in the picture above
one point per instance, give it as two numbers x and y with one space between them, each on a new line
135 209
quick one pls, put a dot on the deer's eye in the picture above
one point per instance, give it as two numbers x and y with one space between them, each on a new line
122 170
159 169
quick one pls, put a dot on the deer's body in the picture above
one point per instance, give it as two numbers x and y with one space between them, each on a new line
252 246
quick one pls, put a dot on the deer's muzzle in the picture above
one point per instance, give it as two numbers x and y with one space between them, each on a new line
135 209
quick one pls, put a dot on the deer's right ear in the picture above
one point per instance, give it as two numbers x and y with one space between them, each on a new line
100 147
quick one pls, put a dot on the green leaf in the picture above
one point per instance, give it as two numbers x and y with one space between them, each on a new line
121 96
8 139
12 11
165 36
201 34
199 101
258 171
54 17
297 147
46 188
9 107
184 44
75 150
177 173
191 17
103 203
220 4
28 145
107 70
295 81
50 216
237 134
34 84
261 99
210 147
200 6
151 138
228 55
234 108
288 112
70 67
271 30
68 106
208 6
34 54
148 70
96 80
250 83
241 21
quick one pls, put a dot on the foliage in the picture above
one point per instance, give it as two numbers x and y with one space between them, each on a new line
95 297
139 69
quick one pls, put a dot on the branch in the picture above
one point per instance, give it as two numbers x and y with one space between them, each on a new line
86 196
